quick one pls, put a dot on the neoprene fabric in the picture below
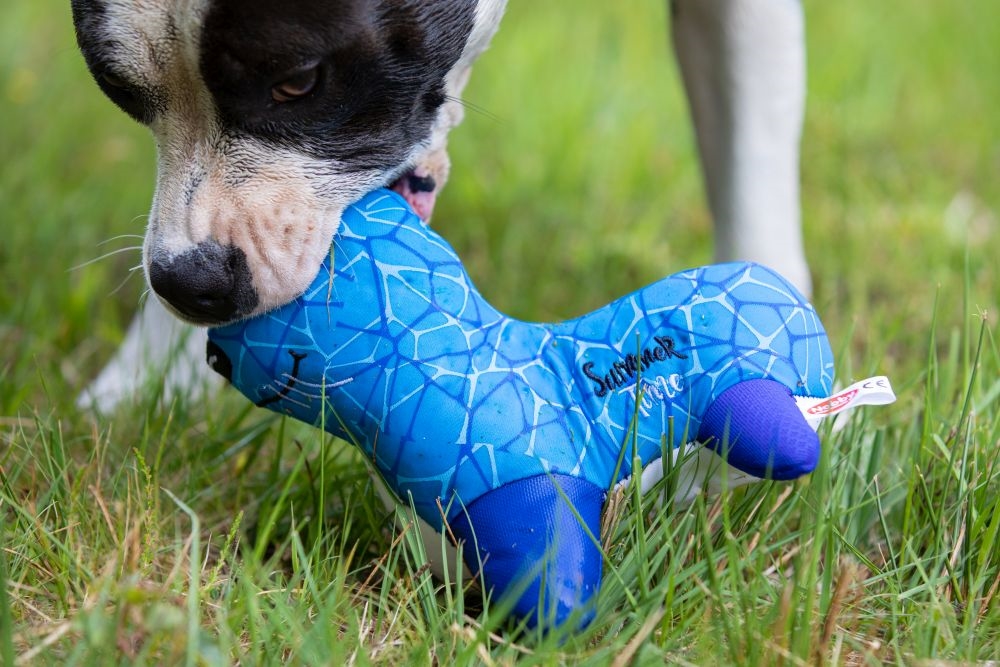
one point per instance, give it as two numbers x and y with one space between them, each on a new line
499 421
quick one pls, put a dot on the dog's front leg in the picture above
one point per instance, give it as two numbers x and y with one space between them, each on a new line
160 353
743 66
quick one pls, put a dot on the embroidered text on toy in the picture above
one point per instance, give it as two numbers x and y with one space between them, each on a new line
625 370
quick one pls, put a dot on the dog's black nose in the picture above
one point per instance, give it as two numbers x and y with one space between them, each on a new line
208 284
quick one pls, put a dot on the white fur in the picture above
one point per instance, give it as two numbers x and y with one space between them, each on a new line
743 65
159 353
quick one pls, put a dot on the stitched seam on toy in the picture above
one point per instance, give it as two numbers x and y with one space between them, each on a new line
293 378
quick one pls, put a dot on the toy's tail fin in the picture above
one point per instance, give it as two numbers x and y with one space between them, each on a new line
756 426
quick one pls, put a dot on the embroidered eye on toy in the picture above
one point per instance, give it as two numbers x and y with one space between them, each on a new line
512 432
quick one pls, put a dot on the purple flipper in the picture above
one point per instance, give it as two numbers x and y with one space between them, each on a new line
756 426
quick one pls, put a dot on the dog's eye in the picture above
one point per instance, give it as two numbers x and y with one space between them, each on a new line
296 86
130 97
114 80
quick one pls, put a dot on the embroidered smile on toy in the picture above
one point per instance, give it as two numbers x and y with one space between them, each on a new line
496 426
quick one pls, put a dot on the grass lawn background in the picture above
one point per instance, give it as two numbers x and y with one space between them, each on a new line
212 533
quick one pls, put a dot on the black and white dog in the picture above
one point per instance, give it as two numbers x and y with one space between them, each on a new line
270 118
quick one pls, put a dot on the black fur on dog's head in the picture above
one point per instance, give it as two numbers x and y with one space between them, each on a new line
269 119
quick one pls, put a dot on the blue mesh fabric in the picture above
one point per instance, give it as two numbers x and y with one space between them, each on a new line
393 348
535 538
756 426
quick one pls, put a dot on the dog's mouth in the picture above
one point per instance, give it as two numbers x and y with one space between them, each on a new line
211 284
419 189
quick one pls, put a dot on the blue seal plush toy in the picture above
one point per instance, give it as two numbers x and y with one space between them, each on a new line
509 434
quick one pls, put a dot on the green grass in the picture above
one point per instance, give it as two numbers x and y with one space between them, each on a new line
212 533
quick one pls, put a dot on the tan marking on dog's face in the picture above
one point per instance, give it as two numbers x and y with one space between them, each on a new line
277 206
280 207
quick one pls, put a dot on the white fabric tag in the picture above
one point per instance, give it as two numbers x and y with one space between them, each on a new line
701 470
871 391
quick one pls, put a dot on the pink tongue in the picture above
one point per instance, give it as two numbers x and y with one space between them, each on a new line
419 191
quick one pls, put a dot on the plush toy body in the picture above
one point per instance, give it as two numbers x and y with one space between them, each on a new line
513 432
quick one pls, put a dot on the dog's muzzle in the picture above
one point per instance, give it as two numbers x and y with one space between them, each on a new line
208 284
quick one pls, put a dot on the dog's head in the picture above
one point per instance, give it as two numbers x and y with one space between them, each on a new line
270 118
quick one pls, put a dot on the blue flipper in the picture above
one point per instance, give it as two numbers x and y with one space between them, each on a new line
756 426
459 406
532 544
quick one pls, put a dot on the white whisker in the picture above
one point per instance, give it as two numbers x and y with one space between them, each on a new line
285 397
474 107
120 237
128 276
300 392
106 255
322 385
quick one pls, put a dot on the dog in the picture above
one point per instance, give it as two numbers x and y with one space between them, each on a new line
270 118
